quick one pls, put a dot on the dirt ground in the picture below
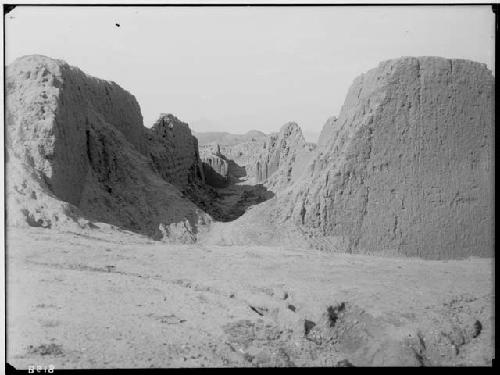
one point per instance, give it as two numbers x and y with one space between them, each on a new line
113 299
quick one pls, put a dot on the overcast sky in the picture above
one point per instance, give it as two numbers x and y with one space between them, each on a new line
241 68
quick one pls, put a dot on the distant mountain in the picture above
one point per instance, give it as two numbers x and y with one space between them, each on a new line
228 139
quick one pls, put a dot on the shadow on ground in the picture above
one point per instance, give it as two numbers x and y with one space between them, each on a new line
229 197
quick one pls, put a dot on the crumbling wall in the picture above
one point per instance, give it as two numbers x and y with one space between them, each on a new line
408 165
81 140
174 151
282 156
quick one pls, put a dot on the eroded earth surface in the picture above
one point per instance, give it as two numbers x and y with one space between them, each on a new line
114 299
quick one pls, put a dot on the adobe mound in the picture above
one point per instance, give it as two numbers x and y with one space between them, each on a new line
78 139
283 157
407 166
174 151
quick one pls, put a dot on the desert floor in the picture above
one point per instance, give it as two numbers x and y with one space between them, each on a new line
111 299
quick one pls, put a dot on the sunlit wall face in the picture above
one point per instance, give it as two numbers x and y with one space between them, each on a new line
241 68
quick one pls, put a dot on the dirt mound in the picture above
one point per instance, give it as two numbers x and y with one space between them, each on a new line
174 151
368 340
406 168
77 144
283 157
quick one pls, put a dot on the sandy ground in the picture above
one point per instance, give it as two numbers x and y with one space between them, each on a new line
113 299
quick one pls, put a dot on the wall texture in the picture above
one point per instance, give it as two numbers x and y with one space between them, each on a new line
408 165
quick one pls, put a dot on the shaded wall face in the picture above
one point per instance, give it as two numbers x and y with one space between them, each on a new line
214 178
174 152
83 102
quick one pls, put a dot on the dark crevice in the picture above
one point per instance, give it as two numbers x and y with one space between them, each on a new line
259 310
334 313
89 154
308 325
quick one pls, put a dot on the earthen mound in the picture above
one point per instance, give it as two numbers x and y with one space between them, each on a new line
406 169
77 144
283 157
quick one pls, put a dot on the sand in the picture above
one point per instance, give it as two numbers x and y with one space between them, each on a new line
114 299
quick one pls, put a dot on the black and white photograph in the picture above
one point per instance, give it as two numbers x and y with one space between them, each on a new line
231 185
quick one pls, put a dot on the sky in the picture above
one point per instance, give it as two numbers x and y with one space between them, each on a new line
240 68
